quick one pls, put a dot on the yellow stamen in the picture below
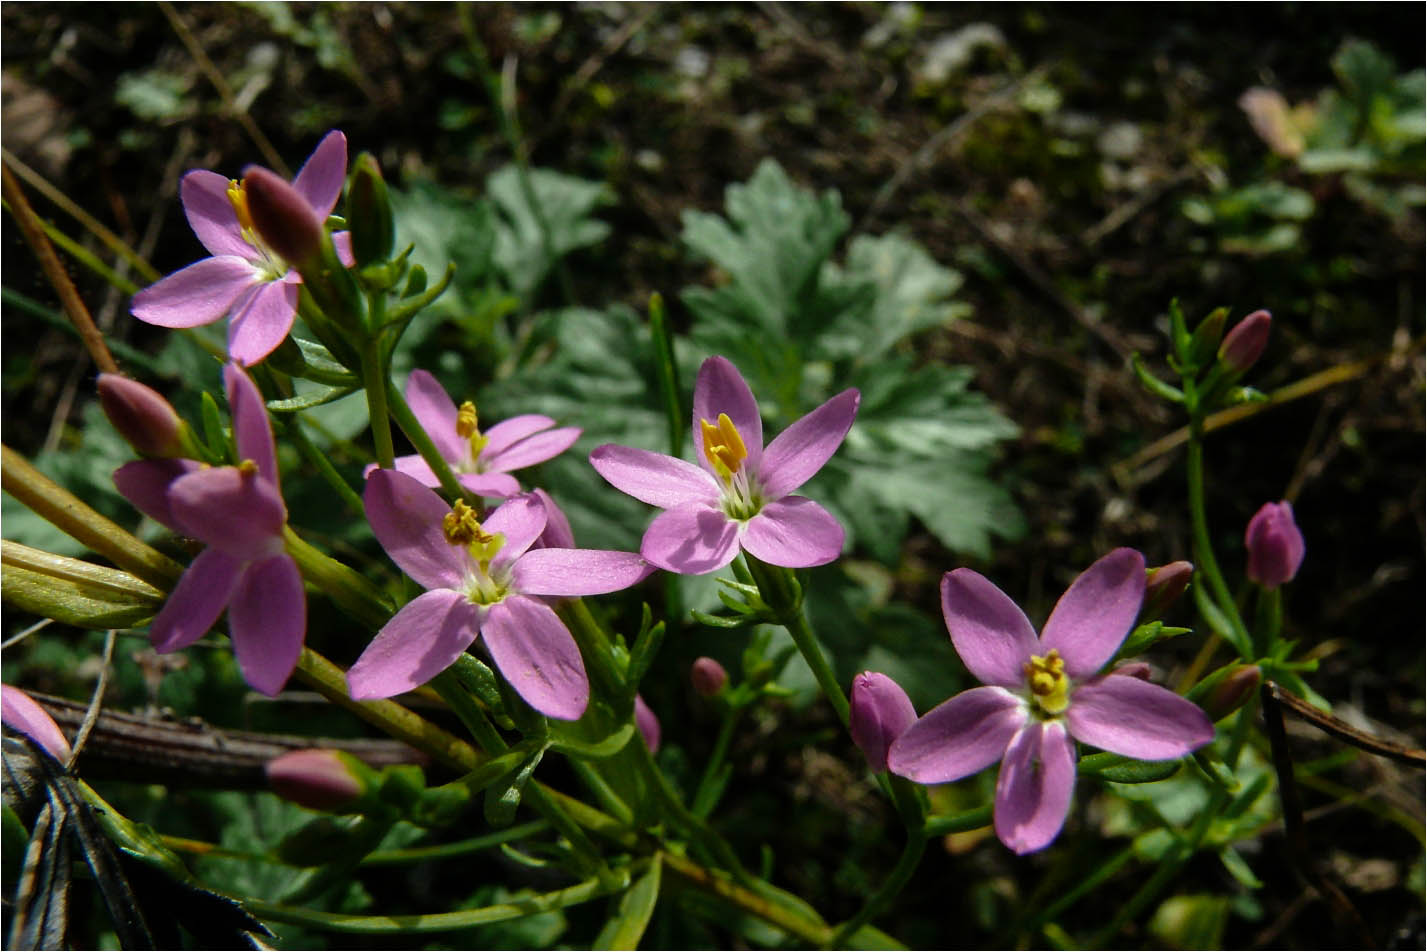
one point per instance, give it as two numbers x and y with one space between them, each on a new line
461 527
248 468
466 419
723 446
238 198
1050 688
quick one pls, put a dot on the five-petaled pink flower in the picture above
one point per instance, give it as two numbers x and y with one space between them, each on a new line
244 279
1042 695
481 461
238 511
738 495
483 577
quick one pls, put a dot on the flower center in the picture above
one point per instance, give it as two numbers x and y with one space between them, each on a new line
466 427
273 267
248 468
725 450
1050 688
461 527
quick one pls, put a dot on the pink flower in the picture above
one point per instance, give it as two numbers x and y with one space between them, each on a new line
481 461
482 578
1043 694
238 511
1275 545
648 724
879 713
245 278
20 713
738 495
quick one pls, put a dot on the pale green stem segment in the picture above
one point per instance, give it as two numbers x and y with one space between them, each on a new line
421 854
416 433
348 588
298 432
376 384
779 590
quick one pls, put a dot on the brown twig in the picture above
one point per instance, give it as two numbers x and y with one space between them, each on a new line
1344 731
49 263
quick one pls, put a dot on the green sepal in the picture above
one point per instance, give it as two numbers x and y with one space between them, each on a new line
215 437
503 797
646 647
1153 384
482 682
1117 768
1146 635
415 281
1204 342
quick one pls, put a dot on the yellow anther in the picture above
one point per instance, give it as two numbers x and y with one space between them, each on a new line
466 419
723 446
238 198
461 526
248 468
1050 688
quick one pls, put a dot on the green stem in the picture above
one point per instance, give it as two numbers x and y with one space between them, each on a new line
693 826
780 592
597 650
374 379
319 460
959 822
419 438
348 588
906 865
705 797
420 854
1204 561
1082 886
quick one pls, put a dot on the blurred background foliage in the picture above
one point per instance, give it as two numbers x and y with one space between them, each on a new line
974 213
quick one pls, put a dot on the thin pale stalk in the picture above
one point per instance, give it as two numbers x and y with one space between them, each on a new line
374 379
348 588
319 460
416 433
1205 563
777 586
891 887
421 854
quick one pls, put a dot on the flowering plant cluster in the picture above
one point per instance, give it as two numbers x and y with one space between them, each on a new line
470 604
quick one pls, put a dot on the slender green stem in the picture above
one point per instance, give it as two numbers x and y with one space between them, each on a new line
906 865
1064 901
348 588
323 465
1204 561
780 592
374 379
706 797
693 826
419 438
419 854
959 822
596 648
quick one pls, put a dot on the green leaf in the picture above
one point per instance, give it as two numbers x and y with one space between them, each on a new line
503 797
1120 769
565 205
626 926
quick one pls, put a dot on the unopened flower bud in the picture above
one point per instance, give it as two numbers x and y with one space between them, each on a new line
327 780
22 713
142 416
647 723
708 677
1232 692
1275 545
369 213
880 712
1245 344
285 219
1163 586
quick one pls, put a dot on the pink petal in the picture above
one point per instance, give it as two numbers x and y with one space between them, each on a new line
692 539
261 320
958 737
406 519
212 216
342 242
145 483
1125 715
536 653
802 449
199 294
421 641
557 534
521 520
720 388
267 620
239 513
647 723
22 713
507 433
196 602
490 485
252 430
434 410
654 478
1095 614
413 466
880 713
531 450
990 633
321 176
571 572
1034 787
794 532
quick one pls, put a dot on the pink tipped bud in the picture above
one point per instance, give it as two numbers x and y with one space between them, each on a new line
1163 586
708 677
880 713
647 723
1133 669
21 713
1275 545
1233 692
142 416
1245 343
318 779
286 221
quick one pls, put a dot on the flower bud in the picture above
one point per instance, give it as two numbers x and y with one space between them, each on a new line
1245 344
708 677
1163 586
880 712
369 213
22 713
1206 337
1275 545
327 780
1232 692
285 219
647 723
142 416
